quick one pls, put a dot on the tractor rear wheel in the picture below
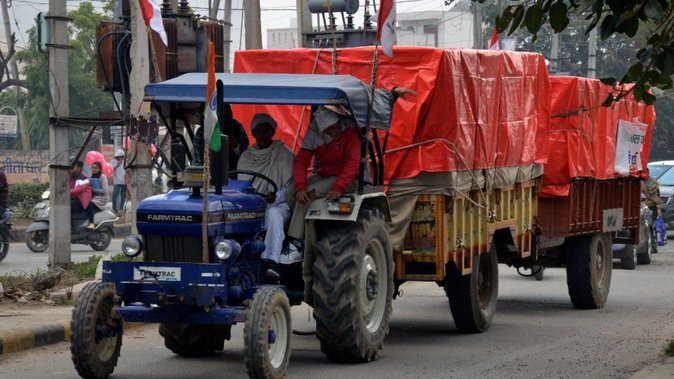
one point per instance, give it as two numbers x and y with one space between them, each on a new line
266 350
589 260
96 336
353 288
473 297
194 340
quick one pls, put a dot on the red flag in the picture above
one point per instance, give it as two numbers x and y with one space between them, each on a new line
494 44
152 17
386 26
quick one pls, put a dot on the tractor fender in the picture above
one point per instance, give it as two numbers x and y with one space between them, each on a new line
318 210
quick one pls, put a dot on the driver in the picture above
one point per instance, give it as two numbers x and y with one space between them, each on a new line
273 159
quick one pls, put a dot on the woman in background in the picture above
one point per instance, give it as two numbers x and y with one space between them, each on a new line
99 185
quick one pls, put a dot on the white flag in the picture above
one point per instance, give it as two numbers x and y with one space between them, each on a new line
386 26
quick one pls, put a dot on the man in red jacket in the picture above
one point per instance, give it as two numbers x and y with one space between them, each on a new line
336 149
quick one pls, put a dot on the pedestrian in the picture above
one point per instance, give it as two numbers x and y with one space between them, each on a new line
119 178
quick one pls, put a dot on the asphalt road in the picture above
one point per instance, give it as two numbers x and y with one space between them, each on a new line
535 334
20 259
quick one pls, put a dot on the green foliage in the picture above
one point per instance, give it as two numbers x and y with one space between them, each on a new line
86 270
669 349
86 99
22 197
628 18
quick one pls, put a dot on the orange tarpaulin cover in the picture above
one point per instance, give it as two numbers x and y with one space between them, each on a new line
583 133
474 109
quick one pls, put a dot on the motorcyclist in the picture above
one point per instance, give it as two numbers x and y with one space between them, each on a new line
4 193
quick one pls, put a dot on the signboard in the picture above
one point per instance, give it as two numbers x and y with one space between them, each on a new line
8 125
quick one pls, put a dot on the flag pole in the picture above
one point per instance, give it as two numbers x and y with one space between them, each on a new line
153 54
204 221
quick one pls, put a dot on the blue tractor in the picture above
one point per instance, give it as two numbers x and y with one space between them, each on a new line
197 294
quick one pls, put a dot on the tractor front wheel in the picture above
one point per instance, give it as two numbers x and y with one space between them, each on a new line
96 335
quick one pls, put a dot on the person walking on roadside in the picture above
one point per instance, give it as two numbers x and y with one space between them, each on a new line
119 177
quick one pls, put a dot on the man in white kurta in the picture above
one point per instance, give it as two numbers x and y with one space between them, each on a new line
273 159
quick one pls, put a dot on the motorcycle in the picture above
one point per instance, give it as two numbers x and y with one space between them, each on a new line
5 233
37 233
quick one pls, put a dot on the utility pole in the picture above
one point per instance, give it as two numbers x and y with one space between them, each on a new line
303 21
477 26
592 55
554 52
59 169
213 12
141 173
227 37
251 9
23 124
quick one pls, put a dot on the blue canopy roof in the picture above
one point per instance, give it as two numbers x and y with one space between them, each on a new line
273 89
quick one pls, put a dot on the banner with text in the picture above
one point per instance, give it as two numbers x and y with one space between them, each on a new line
629 142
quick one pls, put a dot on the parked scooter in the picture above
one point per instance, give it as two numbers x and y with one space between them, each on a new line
37 233
5 233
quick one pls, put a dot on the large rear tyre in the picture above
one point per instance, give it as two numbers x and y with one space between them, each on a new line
353 288
650 247
102 243
588 270
473 297
267 332
38 241
629 261
4 244
194 340
96 336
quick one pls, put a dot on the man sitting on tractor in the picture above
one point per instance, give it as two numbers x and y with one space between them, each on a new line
273 159
336 148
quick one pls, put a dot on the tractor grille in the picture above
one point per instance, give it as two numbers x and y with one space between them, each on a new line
173 248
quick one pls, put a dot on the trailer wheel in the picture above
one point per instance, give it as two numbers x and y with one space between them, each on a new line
267 332
96 335
629 261
588 270
194 340
353 288
473 298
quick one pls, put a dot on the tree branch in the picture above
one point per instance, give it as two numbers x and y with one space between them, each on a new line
11 82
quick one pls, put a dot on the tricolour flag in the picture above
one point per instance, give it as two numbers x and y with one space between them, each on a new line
211 126
152 17
493 44
386 26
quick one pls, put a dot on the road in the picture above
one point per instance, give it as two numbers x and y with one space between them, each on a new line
536 334
20 259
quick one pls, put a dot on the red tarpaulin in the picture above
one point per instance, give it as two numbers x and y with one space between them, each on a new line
475 109
583 133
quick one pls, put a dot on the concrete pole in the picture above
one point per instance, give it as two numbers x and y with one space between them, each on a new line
59 170
213 12
23 124
592 55
227 35
251 9
478 42
303 22
141 174
554 52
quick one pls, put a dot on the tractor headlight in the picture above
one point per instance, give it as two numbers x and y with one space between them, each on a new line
225 249
132 246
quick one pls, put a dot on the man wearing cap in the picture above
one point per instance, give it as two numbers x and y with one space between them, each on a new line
273 159
119 176
337 152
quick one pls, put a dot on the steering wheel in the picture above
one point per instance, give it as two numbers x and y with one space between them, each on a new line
257 175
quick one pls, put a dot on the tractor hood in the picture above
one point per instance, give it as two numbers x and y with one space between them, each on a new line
179 213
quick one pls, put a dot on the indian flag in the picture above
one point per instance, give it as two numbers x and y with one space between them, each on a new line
211 125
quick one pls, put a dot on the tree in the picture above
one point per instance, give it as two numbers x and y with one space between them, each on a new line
654 65
86 99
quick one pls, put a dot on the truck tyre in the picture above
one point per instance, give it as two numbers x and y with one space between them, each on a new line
194 340
353 288
629 261
96 336
4 244
266 350
38 241
473 298
588 270
103 241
